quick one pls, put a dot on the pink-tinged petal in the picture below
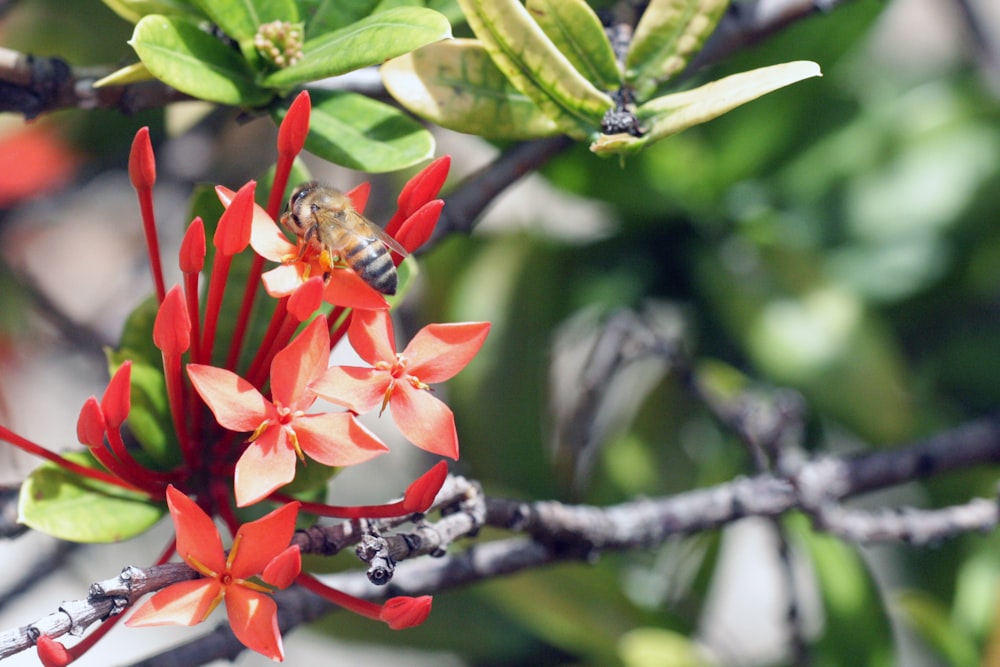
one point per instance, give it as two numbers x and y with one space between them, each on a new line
90 426
439 351
197 537
353 387
282 280
117 399
232 235
266 465
298 364
424 420
183 603
253 618
193 247
236 404
419 190
172 326
141 162
372 337
359 196
295 126
283 568
263 540
307 299
337 439
347 289
404 612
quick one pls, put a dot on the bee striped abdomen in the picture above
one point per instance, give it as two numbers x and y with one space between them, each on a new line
373 262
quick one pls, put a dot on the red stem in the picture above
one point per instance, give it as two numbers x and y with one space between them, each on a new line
216 288
262 359
176 397
348 602
145 195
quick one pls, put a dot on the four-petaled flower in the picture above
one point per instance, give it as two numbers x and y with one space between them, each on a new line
281 430
402 380
260 549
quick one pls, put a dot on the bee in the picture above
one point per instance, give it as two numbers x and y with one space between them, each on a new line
325 220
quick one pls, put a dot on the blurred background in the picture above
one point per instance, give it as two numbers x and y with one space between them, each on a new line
838 238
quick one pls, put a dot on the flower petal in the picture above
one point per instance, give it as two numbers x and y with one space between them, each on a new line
337 439
263 540
267 464
298 364
283 568
282 280
424 420
359 196
253 618
236 404
356 388
266 237
439 351
197 536
183 603
371 336
347 289
417 229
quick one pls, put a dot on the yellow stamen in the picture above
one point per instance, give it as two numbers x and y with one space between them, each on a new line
259 430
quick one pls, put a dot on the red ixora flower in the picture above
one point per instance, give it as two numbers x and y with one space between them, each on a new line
260 549
281 429
402 381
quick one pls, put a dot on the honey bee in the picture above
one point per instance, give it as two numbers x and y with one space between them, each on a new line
325 220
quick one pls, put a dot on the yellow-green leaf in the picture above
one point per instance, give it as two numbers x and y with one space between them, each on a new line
456 85
669 114
536 67
577 32
668 34
128 74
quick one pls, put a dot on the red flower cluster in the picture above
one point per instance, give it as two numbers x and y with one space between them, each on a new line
243 430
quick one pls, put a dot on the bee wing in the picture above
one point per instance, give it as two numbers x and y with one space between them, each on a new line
392 243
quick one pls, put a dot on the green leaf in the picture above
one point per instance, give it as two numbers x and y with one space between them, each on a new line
668 34
536 67
149 418
133 10
137 336
577 32
669 114
364 134
370 41
128 74
182 55
932 621
456 85
61 504
240 19
330 15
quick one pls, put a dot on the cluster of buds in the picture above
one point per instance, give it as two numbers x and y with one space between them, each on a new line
280 42
241 409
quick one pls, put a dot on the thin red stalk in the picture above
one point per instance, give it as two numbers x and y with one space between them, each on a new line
152 240
348 602
263 359
216 288
387 511
338 330
281 339
220 503
192 301
150 480
64 463
179 402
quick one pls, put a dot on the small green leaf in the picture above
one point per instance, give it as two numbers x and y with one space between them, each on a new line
668 34
240 19
577 32
456 85
669 114
363 134
330 15
133 10
370 41
137 336
61 504
182 55
128 74
536 67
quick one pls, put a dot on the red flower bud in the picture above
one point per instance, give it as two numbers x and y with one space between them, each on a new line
141 162
53 653
90 426
421 493
116 401
419 190
295 126
417 228
172 328
192 256
233 233
359 196
404 612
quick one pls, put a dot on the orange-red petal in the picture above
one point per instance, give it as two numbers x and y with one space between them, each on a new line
253 618
356 388
263 540
267 464
337 439
197 536
301 362
236 404
439 351
424 420
372 337
283 568
183 603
